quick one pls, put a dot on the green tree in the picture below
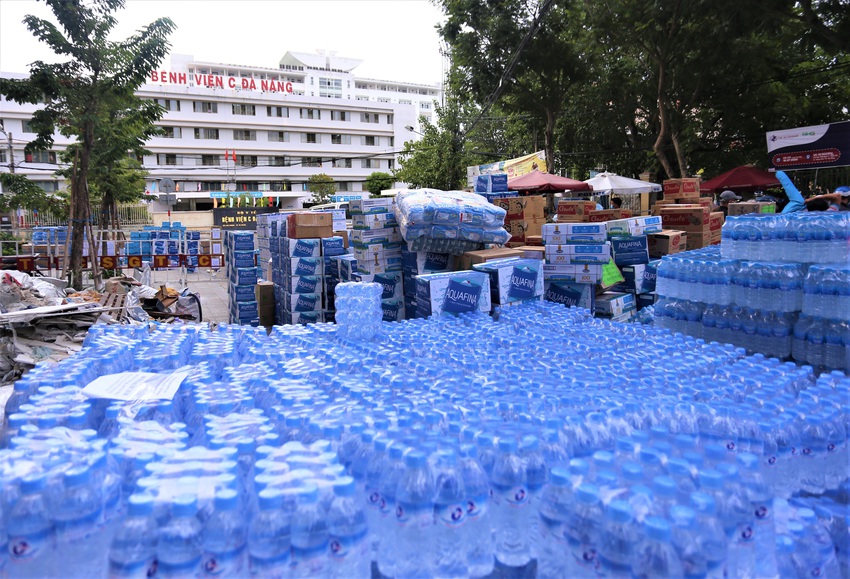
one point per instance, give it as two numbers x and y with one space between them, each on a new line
100 76
322 186
21 193
378 181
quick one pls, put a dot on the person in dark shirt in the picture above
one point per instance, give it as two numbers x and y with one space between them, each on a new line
725 199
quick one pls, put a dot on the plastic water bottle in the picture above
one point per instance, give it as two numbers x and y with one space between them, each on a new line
390 477
479 551
583 531
556 503
536 476
510 506
30 529
819 539
179 548
711 537
813 443
617 537
415 517
761 506
373 494
269 537
77 553
654 555
309 535
738 508
350 550
133 550
450 531
225 538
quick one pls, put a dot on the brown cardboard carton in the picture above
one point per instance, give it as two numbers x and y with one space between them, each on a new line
534 239
685 218
703 202
607 215
568 211
666 242
751 207
309 225
267 315
520 230
716 237
470 258
264 292
522 207
532 251
716 220
681 188
698 240
344 234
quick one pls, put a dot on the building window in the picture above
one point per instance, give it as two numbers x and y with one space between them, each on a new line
405 101
309 138
246 160
244 135
368 140
384 100
340 139
391 141
281 112
369 163
305 186
206 134
210 160
330 88
210 185
390 164
240 109
424 106
278 136
169 104
369 117
362 98
389 119
340 116
343 186
2 156
171 132
48 157
279 161
47 186
312 114
168 159
311 162
279 186
205 107
341 164
27 126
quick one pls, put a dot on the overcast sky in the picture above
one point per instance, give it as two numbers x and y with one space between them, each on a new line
395 38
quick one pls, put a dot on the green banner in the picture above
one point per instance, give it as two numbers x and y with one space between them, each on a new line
611 274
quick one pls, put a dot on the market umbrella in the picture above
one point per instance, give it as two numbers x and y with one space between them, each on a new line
618 185
544 182
743 178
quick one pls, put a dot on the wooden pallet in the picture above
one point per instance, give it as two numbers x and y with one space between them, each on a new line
117 305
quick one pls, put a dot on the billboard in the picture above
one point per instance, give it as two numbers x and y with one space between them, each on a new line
810 147
513 167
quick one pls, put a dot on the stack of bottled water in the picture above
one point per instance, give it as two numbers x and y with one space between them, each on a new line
304 453
788 237
359 312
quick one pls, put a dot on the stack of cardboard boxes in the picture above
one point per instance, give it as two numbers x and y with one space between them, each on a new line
493 186
688 219
751 207
524 217
579 211
243 276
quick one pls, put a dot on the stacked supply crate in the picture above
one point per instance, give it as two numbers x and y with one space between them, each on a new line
299 271
376 244
414 263
239 251
575 254
630 247
524 217
333 248
493 186
682 198
513 280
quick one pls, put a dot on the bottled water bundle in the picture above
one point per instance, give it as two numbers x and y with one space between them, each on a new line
359 313
583 448
818 237
448 221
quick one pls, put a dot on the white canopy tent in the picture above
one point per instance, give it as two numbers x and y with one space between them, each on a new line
612 184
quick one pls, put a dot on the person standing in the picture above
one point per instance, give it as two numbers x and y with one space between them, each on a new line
725 199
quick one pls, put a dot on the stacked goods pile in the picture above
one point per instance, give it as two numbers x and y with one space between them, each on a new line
688 219
524 217
309 452
243 274
494 186
776 285
582 211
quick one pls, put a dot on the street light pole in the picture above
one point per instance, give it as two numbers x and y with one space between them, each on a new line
11 151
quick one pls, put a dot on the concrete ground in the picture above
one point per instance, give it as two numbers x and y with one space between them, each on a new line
211 288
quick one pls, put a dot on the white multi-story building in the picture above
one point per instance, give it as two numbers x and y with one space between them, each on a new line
260 131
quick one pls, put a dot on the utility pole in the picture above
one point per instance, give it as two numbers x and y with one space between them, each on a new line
11 155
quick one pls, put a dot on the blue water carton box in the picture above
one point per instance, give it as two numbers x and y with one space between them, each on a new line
636 280
242 293
300 247
634 225
241 240
513 279
615 303
302 318
630 250
417 262
373 221
369 237
302 302
573 233
570 294
391 282
379 265
573 272
297 266
243 275
591 253
645 300
453 292
304 284
347 265
650 275
393 310
370 206
244 310
332 246
242 258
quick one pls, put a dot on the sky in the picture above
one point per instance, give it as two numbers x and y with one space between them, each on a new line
396 39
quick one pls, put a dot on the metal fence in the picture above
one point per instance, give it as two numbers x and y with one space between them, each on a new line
129 215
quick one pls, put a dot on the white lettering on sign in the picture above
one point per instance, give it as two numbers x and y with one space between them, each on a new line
217 81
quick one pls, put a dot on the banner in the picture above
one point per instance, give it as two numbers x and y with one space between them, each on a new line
239 217
513 167
810 147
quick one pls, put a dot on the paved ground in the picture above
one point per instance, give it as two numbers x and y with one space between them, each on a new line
210 287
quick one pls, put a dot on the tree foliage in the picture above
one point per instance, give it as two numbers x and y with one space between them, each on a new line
378 181
322 186
94 86
21 193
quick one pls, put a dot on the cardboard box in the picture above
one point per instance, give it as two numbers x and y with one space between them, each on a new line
650 276
751 207
374 221
681 188
416 262
630 250
513 279
303 284
264 293
666 242
391 282
716 220
716 237
309 225
302 318
698 240
386 236
597 253
634 226
572 295
534 239
550 229
470 258
575 273
370 206
615 303
522 208
393 310
302 302
686 218
521 229
607 215
705 202
644 300
300 247
455 292
574 211
532 251
333 246
635 278
298 266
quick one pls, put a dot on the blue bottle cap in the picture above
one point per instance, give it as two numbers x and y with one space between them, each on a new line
226 500
560 476
579 467
76 476
631 472
678 467
664 487
396 451
748 461
682 516
703 503
269 499
139 505
32 483
344 486
587 493
710 479
415 459
184 506
619 511
507 444
657 528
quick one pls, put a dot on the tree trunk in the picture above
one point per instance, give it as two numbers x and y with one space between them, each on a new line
549 146
81 206
663 129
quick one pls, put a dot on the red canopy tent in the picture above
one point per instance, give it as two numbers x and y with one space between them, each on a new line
743 178
544 182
